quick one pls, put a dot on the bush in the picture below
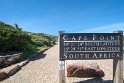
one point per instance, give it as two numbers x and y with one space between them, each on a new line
47 43
13 39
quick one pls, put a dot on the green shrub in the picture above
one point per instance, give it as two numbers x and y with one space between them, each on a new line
47 43
13 39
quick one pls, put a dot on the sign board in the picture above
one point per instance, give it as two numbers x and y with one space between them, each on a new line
78 46
92 46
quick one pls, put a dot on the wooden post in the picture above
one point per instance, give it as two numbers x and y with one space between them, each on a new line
118 65
61 64
62 71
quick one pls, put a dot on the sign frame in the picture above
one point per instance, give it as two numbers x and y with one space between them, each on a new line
117 62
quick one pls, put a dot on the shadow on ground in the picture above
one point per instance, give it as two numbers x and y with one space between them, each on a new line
96 80
39 56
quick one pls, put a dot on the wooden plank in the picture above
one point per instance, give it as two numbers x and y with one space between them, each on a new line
62 76
61 64
62 72
115 61
118 66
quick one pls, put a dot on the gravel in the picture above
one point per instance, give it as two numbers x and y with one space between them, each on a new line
43 69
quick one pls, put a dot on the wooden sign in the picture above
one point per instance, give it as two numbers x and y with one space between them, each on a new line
88 46
78 46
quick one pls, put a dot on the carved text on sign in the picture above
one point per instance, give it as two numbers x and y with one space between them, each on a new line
90 46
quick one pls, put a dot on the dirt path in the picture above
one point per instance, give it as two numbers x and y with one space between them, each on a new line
43 69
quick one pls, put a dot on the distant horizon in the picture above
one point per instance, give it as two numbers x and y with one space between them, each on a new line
92 30
71 16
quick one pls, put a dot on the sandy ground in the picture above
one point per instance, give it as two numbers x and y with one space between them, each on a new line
45 69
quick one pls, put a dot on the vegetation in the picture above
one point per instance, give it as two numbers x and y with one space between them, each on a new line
47 40
12 38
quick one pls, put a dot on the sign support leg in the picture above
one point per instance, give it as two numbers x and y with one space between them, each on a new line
118 66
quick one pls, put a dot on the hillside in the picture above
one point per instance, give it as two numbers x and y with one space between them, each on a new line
35 37
13 38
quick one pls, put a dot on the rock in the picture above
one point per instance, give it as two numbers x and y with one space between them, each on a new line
11 69
12 58
81 70
23 63
2 60
7 59
2 75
